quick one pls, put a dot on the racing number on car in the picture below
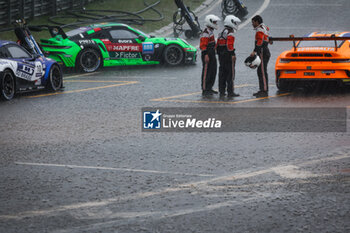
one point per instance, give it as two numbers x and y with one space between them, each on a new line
25 71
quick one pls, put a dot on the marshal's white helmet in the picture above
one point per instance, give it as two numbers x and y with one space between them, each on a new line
252 61
212 21
232 22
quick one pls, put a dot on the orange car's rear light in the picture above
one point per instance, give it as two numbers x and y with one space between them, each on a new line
311 55
283 60
288 60
341 61
290 71
328 71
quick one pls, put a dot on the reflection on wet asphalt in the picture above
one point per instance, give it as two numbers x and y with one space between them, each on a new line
78 161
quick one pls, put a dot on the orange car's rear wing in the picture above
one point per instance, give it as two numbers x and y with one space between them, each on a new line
294 39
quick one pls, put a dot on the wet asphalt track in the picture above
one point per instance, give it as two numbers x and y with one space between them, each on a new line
77 161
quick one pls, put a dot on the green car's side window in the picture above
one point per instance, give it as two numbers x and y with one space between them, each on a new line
122 34
98 35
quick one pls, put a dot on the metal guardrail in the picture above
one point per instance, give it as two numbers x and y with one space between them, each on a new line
10 10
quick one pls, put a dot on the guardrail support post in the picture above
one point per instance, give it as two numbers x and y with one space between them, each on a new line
9 11
32 10
21 9
54 7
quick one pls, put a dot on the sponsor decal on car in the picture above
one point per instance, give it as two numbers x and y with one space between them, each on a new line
315 48
23 76
37 82
147 48
123 47
38 67
82 42
125 41
147 57
30 72
25 69
124 55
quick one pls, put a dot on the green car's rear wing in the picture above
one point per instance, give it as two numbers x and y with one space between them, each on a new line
57 30
53 30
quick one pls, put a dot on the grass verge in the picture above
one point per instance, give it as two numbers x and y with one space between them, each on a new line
166 7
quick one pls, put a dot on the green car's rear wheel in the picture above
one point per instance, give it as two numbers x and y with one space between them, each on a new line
89 60
7 85
173 55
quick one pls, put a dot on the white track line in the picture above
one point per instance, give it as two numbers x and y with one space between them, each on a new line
81 75
111 169
258 12
124 217
167 191
210 8
170 31
306 5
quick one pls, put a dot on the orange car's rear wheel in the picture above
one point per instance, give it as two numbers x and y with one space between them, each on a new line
283 84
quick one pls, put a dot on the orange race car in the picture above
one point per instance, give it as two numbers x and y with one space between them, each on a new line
316 57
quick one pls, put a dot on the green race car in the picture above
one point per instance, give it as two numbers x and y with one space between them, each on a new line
113 44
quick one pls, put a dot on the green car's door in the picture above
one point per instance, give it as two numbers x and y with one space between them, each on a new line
124 47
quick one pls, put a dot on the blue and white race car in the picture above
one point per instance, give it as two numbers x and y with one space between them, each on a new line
22 71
